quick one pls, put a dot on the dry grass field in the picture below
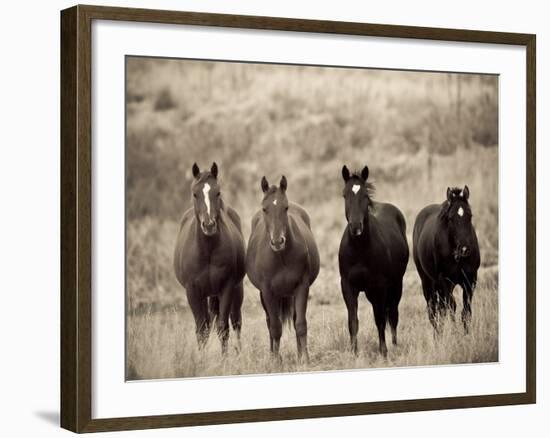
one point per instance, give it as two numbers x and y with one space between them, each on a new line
418 132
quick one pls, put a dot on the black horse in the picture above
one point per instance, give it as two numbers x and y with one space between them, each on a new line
282 261
209 258
446 253
373 256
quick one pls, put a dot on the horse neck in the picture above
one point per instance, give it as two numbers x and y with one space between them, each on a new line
291 234
442 234
292 239
210 243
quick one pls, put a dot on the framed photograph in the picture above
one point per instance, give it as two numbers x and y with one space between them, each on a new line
270 218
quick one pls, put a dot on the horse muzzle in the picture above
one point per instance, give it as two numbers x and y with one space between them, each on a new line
461 252
277 244
209 227
356 229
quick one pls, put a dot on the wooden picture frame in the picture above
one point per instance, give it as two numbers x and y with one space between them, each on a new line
76 217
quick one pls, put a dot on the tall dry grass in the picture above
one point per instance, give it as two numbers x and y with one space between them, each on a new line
415 131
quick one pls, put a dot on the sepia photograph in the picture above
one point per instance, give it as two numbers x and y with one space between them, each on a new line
301 218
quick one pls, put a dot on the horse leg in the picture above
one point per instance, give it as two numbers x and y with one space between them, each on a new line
433 312
378 301
447 303
452 305
468 287
300 322
266 320
431 298
350 298
199 308
235 312
393 309
223 318
275 325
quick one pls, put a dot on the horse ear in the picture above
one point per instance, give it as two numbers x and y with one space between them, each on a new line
283 183
214 170
365 173
449 194
196 170
265 184
345 173
466 192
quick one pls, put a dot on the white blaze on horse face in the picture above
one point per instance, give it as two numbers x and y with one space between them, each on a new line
460 212
274 202
355 189
205 190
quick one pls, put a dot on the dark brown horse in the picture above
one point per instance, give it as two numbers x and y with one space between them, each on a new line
373 256
209 258
282 261
446 254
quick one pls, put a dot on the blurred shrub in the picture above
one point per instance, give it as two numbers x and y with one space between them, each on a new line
484 119
304 122
165 101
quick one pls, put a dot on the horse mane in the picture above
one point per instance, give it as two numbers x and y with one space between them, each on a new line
444 213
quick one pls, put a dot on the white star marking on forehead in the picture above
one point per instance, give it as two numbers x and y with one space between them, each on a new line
205 190
460 211
355 188
274 202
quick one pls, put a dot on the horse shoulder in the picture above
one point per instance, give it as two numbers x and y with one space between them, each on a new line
476 256
183 249
430 211
234 217
253 248
258 216
187 217
301 212
303 230
390 215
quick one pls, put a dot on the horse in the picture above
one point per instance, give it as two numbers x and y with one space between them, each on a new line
373 256
209 260
446 254
282 261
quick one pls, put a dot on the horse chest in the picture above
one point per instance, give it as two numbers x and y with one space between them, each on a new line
360 276
455 271
211 278
282 273
285 281
365 270
209 271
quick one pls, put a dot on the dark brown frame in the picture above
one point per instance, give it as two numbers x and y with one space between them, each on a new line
76 243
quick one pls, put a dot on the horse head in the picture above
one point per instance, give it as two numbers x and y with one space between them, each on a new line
457 215
207 200
357 192
275 211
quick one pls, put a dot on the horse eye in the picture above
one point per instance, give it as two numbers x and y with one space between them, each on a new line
194 195
264 209
286 208
218 194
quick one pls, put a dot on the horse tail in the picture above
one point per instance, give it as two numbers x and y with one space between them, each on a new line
214 307
287 310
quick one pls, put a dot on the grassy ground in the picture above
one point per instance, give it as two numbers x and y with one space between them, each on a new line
419 133
161 344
